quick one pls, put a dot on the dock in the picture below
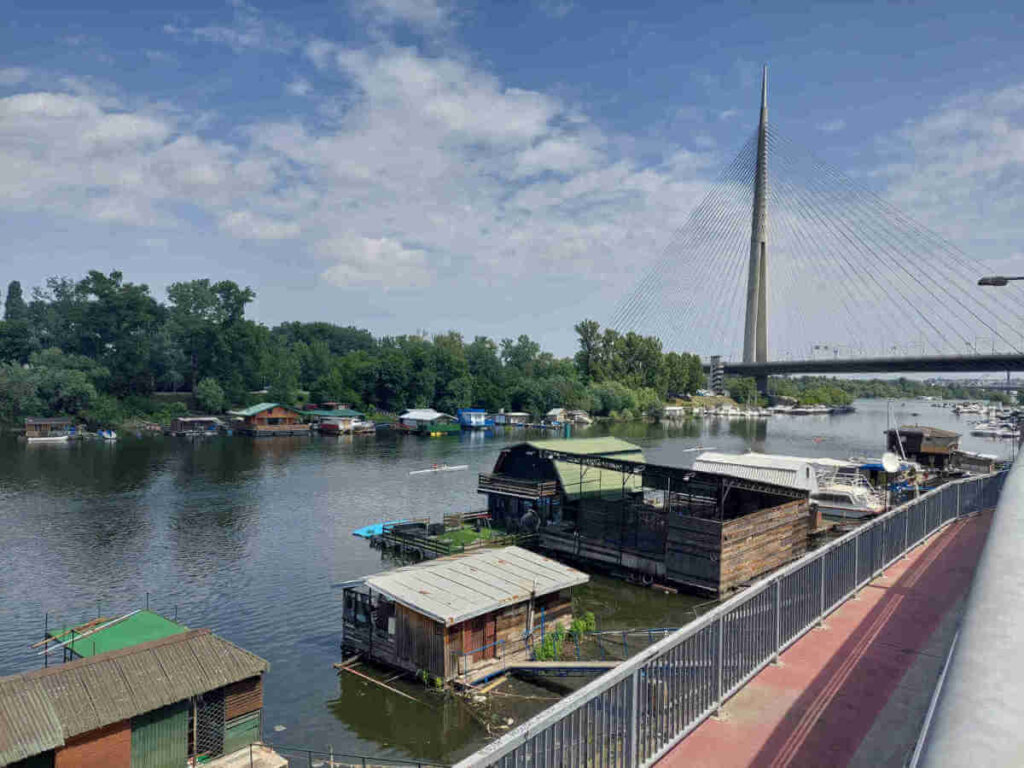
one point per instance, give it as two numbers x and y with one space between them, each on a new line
548 668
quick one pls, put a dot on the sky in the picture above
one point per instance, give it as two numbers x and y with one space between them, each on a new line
494 168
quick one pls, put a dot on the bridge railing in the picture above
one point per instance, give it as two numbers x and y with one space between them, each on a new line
634 714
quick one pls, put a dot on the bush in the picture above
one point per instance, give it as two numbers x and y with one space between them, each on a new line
210 396
550 648
582 624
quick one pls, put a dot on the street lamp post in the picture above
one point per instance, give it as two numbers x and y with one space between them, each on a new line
999 281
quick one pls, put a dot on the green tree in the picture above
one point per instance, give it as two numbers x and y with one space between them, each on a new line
15 307
588 357
209 396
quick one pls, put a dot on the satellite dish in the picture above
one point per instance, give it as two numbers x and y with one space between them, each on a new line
890 462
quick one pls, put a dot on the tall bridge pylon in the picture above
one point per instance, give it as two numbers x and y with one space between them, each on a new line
848 276
755 334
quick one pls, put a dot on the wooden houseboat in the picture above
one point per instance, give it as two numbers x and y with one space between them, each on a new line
49 430
269 420
427 421
140 691
928 446
195 426
558 416
597 501
424 617
334 421
512 418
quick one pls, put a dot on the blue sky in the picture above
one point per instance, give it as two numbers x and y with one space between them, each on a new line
495 168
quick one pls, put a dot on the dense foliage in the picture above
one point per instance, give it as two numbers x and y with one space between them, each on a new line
105 350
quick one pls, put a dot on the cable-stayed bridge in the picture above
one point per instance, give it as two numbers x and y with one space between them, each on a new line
790 266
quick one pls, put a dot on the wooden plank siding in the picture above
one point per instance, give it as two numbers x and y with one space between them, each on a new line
720 557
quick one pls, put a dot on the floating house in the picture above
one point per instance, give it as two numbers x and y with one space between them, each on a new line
154 694
56 429
427 421
526 491
928 446
512 419
455 614
269 420
598 502
195 426
567 416
333 421
473 418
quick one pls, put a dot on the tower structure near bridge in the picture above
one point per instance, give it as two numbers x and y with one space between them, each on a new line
755 334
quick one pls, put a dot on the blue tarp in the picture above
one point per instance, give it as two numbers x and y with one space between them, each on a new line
374 530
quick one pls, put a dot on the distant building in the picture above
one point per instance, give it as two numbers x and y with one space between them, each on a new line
512 418
194 425
427 421
473 418
154 694
334 420
269 420
425 617
928 446
55 428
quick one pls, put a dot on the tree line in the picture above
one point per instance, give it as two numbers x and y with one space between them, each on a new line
104 349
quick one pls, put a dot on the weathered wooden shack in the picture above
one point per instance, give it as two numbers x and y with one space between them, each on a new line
455 614
181 698
37 428
928 446
193 426
269 420
598 501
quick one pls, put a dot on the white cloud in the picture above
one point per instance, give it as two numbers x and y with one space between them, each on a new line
249 29
13 75
300 86
380 262
426 15
556 9
832 126
247 225
961 170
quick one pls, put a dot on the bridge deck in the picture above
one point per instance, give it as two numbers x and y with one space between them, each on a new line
855 692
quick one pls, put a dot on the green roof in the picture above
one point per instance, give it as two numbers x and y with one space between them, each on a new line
579 481
589 446
337 413
138 628
252 410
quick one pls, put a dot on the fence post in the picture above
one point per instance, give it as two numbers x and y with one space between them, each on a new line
634 721
778 620
856 564
721 661
821 590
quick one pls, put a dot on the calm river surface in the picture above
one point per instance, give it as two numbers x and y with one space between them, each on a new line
250 538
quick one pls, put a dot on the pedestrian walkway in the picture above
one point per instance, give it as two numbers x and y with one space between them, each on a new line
854 692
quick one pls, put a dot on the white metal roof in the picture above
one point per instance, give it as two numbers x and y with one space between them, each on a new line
788 471
454 589
422 414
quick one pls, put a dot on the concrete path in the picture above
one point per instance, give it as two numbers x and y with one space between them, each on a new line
853 693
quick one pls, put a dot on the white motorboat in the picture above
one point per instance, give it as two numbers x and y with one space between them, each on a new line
106 434
49 439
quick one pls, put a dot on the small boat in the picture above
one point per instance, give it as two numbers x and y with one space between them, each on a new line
49 439
106 434
439 468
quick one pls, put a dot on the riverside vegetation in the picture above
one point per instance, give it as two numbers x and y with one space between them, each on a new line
105 351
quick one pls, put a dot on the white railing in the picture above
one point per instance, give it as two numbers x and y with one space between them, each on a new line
636 713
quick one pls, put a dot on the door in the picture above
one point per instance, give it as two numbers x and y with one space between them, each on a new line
477 641
241 732
160 738
490 635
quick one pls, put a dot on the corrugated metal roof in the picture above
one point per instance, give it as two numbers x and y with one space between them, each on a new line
789 472
453 589
423 414
252 410
337 413
591 446
28 724
39 710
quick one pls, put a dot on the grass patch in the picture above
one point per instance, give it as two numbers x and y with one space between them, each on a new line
466 535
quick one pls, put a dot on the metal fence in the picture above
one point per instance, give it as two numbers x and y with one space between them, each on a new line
634 714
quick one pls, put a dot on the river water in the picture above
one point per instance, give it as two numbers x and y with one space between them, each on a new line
251 538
